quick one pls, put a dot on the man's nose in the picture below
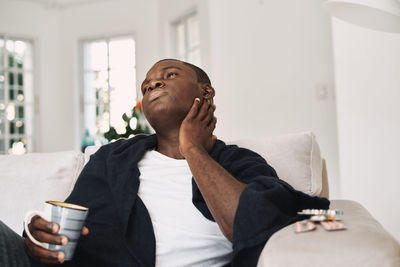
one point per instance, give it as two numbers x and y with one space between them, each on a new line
156 84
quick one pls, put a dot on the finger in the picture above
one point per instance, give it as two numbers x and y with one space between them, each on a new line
38 222
212 124
194 109
204 109
43 255
51 261
210 115
85 230
49 238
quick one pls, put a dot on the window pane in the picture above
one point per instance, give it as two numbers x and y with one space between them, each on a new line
1 53
193 31
11 94
2 126
18 61
90 118
96 108
122 53
20 126
10 50
2 146
20 112
96 56
94 81
2 87
12 127
93 122
123 94
20 49
20 79
11 78
20 95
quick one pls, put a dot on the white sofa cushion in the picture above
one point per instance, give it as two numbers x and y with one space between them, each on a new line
295 157
29 180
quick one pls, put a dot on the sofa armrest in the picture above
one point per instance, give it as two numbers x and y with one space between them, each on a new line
363 243
325 185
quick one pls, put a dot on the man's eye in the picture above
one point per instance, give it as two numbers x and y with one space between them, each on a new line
171 74
144 90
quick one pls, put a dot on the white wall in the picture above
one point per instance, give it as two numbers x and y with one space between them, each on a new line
367 70
26 20
267 60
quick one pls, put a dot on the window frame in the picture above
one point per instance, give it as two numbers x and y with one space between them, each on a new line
31 144
188 49
82 71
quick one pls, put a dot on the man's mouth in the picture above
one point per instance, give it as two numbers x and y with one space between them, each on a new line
156 93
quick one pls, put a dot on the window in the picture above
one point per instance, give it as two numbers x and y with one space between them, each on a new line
16 96
187 39
109 85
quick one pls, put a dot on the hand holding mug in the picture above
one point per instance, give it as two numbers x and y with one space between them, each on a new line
53 233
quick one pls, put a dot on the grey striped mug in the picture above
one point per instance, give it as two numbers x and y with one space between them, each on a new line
69 217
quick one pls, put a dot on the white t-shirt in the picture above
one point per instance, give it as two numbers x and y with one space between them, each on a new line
184 237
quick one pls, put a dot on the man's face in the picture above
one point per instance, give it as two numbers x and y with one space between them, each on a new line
168 91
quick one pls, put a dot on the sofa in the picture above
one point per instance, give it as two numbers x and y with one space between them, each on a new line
29 180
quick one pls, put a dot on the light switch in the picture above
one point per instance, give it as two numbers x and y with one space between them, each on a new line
321 91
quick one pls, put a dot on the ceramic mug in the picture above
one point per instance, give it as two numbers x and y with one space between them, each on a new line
69 217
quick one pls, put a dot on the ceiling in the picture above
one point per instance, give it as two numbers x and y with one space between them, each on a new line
63 3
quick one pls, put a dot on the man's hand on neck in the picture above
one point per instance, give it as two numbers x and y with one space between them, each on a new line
196 131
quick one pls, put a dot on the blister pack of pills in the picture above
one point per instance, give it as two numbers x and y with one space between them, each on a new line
318 215
332 225
304 226
328 219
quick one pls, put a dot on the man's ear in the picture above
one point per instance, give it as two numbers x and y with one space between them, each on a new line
208 91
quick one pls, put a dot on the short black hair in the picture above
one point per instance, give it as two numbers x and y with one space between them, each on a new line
202 76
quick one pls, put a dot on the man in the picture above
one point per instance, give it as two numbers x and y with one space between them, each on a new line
145 209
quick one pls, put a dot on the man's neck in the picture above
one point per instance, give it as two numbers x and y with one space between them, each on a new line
168 144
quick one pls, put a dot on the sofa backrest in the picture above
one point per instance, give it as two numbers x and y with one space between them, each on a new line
295 157
26 181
